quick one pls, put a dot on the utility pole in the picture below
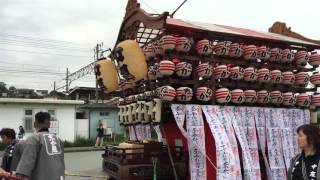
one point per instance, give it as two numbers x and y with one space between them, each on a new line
54 85
67 81
97 51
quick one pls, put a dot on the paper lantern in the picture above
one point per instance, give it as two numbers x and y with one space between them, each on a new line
204 47
236 73
316 100
166 68
301 78
222 48
184 94
263 97
204 94
303 100
287 56
314 59
183 44
121 115
315 79
289 99
251 96
133 107
153 73
131 61
275 55
263 53
167 93
288 78
148 94
168 43
156 111
121 101
149 51
107 76
276 76
128 115
250 74
221 72
235 50
223 95
301 57
276 97
250 52
237 96
264 75
183 69
204 70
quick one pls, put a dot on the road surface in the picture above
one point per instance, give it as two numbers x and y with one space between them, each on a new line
84 163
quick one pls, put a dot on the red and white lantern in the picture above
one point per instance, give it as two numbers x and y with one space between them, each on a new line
264 75
166 68
149 52
315 100
235 50
236 73
204 70
204 94
251 96
250 52
303 100
315 79
250 74
237 96
276 97
183 44
183 69
221 72
287 56
314 59
302 78
263 96
289 99
275 55
204 47
302 57
168 42
223 95
276 76
167 93
263 53
288 78
184 94
222 48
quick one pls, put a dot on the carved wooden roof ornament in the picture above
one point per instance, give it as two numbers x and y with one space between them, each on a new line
281 28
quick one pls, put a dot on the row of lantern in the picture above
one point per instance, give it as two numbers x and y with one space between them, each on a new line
205 70
226 48
140 112
237 96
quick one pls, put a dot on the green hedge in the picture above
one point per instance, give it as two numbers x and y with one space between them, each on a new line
80 142
2 146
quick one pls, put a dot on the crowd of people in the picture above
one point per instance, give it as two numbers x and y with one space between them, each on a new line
39 157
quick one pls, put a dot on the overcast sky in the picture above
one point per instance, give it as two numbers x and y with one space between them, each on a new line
37 62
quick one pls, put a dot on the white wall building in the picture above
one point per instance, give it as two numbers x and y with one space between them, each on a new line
16 112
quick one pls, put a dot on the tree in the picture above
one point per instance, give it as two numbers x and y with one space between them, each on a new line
3 88
12 90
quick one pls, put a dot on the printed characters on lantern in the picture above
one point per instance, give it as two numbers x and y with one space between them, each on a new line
276 97
276 76
236 73
251 96
263 97
184 94
204 47
204 94
107 76
221 72
237 96
222 48
223 95
250 74
289 99
264 75
236 50
183 44
250 52
183 69
314 59
204 70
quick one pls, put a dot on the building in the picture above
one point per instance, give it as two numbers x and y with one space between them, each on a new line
15 112
105 113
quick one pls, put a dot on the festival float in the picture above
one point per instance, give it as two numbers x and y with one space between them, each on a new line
224 102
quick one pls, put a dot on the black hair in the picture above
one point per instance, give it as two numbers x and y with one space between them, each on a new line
8 132
42 117
313 135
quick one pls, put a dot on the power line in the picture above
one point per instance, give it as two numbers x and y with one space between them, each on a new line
34 52
24 64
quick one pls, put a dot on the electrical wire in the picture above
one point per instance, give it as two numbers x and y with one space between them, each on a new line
46 53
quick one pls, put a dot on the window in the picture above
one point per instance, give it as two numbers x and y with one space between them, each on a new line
28 112
104 113
52 113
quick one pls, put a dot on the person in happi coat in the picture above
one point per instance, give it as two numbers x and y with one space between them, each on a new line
305 166
43 155
12 152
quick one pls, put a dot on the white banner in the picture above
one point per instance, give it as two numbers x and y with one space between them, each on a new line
158 132
195 137
226 161
237 122
132 134
278 170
